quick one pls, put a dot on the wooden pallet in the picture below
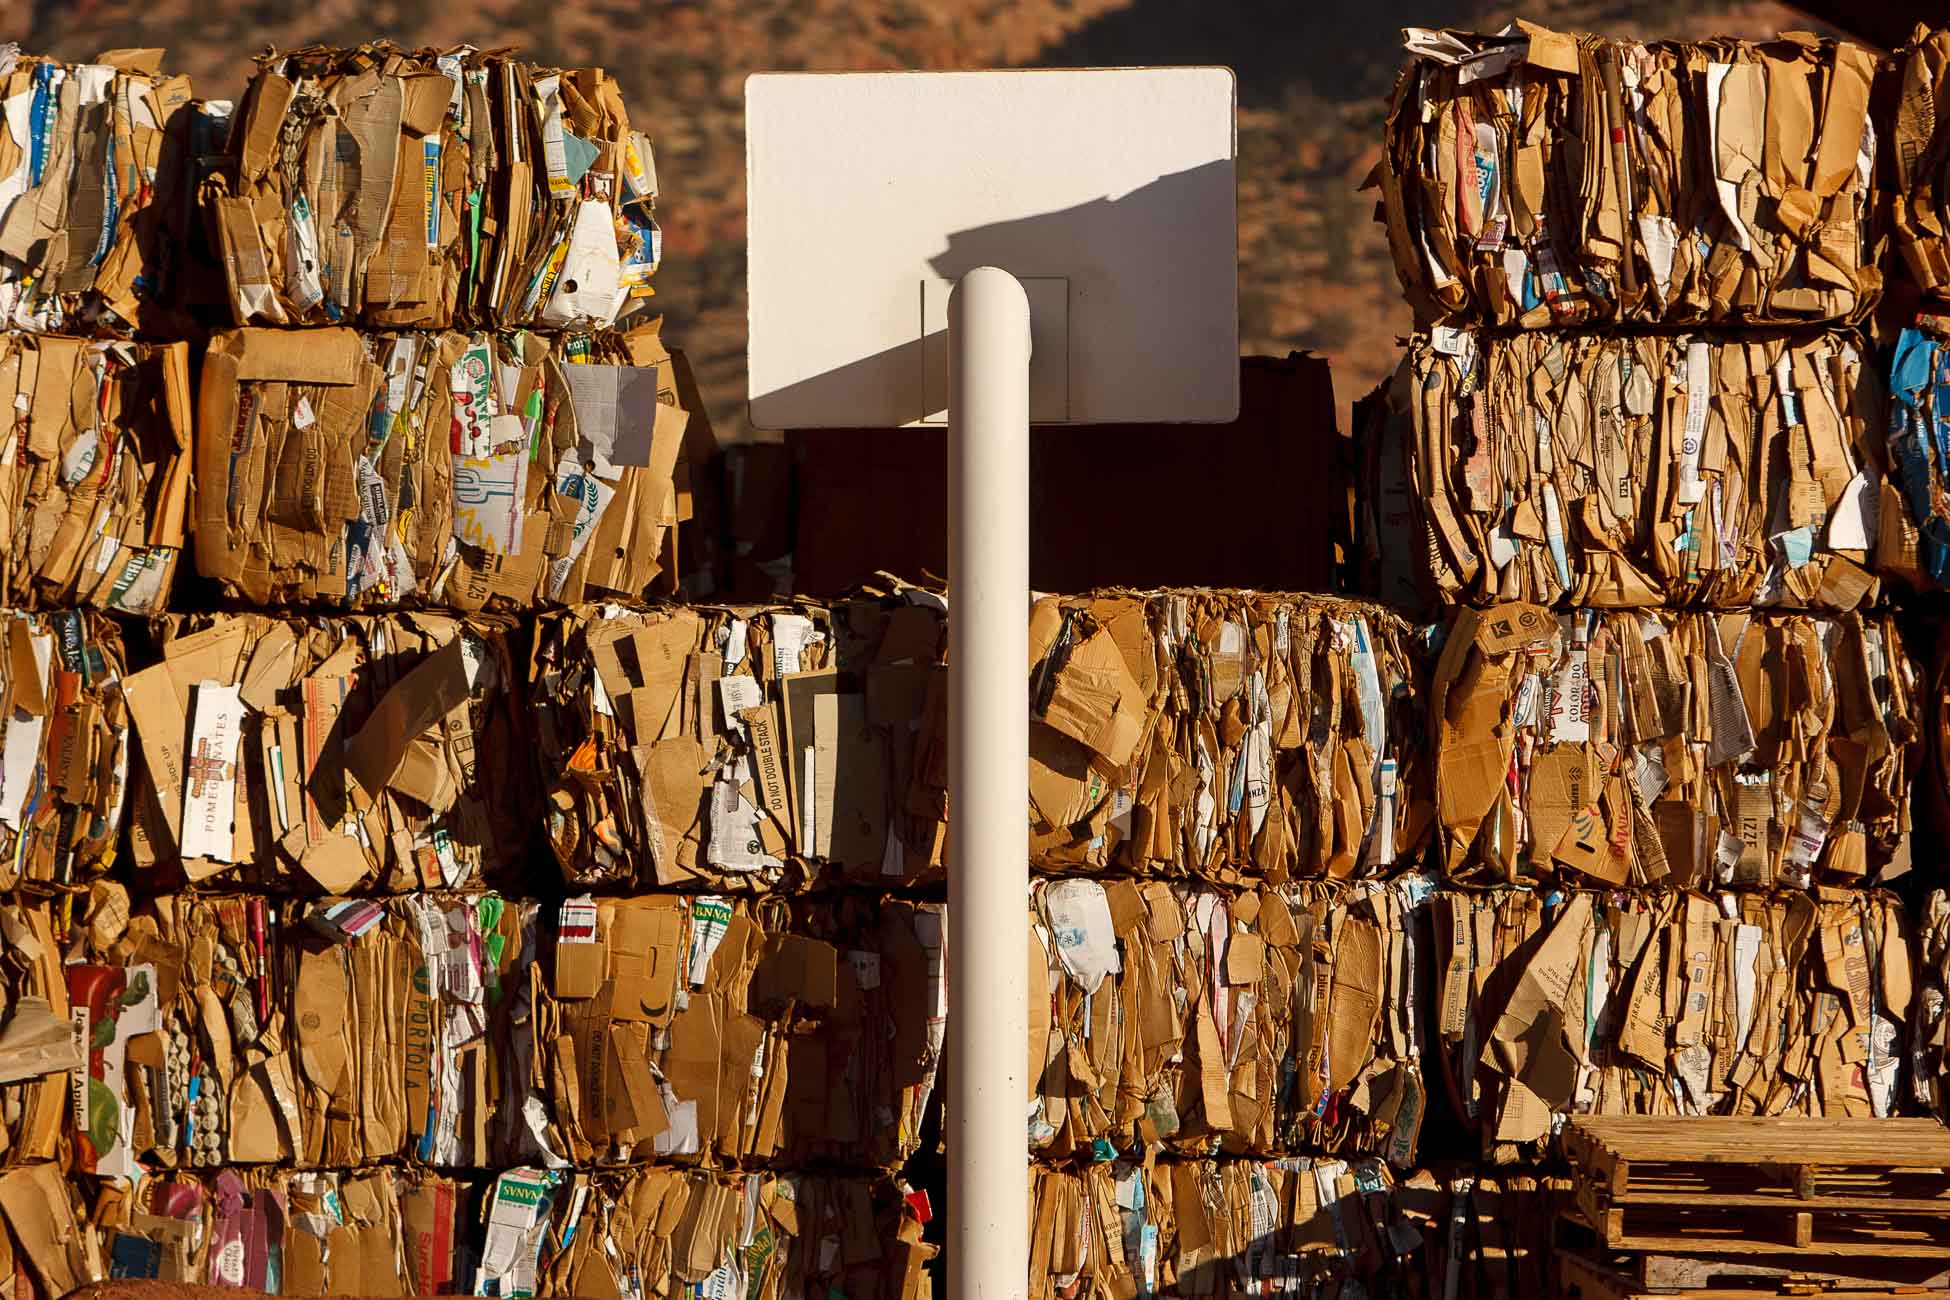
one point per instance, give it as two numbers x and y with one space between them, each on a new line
1592 1275
1726 1185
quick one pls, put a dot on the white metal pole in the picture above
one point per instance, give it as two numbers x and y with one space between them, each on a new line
988 786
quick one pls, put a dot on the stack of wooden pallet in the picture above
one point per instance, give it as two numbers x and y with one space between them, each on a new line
1732 1206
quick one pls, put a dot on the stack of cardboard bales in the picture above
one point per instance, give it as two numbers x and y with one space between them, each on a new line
1636 464
1225 790
294 996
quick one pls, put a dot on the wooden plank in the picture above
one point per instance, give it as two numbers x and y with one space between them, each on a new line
1762 1201
1748 1139
1683 1272
1907 1250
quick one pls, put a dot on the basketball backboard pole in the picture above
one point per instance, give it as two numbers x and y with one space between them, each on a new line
988 784
909 234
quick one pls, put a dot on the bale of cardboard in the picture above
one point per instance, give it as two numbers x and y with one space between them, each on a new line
1713 470
310 754
468 1030
94 198
65 748
744 748
1538 179
1693 750
1668 1003
1233 736
94 472
364 469
1205 1227
1179 1018
434 189
1919 145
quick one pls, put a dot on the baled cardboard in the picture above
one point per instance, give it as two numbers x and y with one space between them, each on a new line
94 194
1670 1003
65 747
1691 750
1253 1023
743 749
1232 736
1539 179
359 469
94 472
700 1028
377 751
1190 1227
433 189
1720 470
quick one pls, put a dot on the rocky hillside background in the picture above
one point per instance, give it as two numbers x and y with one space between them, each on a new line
1314 76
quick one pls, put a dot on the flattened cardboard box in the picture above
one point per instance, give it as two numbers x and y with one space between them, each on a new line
1261 1023
1541 179
316 755
1715 470
1635 748
744 748
434 189
65 747
1211 1227
94 472
94 196
360 469
1915 520
1669 1004
1232 736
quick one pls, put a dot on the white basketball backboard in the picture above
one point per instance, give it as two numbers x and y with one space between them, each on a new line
1108 192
